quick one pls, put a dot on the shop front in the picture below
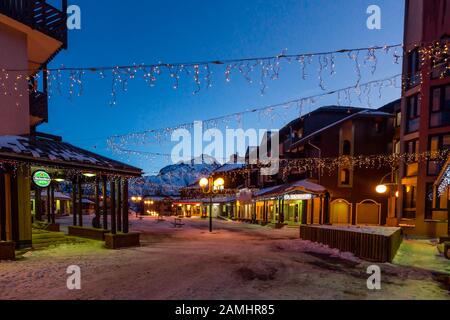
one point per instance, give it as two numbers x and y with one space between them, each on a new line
301 202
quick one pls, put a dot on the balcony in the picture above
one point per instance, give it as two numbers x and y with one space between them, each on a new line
38 108
39 15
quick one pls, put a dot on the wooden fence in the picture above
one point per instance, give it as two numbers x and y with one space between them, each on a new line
371 247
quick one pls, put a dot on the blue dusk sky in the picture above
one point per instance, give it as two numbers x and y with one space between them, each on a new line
135 31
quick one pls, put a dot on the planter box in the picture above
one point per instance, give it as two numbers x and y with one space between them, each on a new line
444 239
380 245
7 250
122 240
53 228
88 233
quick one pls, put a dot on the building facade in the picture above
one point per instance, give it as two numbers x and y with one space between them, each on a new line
426 117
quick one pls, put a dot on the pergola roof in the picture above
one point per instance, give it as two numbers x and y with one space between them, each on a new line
52 152
305 186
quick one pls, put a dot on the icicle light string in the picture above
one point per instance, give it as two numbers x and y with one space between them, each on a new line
118 142
324 166
200 72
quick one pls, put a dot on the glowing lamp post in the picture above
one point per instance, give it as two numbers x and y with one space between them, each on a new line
381 189
138 200
210 187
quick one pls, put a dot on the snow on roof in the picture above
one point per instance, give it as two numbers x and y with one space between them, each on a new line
302 185
36 149
227 167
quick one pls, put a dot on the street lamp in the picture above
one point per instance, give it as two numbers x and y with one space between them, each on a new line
210 187
382 187
138 200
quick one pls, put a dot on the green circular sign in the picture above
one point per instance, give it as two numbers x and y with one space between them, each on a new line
42 179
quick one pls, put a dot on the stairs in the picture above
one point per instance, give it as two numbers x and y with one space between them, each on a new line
43 239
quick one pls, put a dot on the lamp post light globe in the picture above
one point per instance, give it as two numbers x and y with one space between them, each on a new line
381 189
204 182
219 184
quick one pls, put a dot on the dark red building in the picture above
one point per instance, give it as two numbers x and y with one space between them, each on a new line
426 116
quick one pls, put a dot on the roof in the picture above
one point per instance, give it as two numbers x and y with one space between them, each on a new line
42 151
302 186
229 167
363 113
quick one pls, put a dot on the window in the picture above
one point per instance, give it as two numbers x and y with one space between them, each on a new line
379 127
437 145
440 106
409 202
413 68
413 105
412 148
397 147
345 177
434 203
346 148
440 65
398 120
429 199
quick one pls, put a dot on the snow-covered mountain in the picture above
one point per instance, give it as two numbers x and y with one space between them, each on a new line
172 178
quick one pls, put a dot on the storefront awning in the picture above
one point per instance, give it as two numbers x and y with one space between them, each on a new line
40 151
303 186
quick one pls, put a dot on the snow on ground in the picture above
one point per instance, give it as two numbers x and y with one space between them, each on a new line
236 261
384 231
422 254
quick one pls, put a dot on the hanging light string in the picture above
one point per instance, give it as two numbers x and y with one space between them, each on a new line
319 65
303 106
322 166
260 69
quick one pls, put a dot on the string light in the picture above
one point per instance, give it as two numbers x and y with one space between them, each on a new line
201 73
117 143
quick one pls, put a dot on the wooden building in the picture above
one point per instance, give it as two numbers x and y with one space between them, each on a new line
339 132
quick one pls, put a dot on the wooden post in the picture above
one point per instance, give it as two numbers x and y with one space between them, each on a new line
49 204
2 207
38 204
15 208
80 203
105 203
97 203
113 206
53 213
74 201
119 205
125 206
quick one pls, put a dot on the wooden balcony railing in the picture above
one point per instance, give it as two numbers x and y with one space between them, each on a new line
39 15
39 105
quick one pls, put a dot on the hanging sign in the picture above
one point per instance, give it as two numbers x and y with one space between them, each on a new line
298 197
42 179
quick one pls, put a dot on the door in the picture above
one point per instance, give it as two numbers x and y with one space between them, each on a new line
341 212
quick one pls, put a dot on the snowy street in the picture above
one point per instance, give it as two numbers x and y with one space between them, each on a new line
237 261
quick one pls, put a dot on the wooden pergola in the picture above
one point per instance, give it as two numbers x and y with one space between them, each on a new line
21 156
